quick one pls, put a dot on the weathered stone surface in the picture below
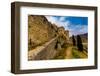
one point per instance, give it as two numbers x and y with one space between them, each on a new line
44 52
39 30
44 38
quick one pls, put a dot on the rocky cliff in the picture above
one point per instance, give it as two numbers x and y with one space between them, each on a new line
44 39
39 30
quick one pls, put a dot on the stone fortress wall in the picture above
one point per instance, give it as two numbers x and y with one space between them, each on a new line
44 38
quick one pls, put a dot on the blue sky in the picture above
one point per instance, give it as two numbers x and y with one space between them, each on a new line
76 25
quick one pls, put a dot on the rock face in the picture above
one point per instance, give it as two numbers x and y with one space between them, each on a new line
63 35
39 30
44 38
49 52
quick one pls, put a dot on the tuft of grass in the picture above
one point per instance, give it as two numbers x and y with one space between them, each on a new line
77 54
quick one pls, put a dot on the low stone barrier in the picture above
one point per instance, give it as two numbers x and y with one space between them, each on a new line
44 52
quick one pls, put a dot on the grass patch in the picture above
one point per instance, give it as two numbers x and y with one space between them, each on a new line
78 54
75 53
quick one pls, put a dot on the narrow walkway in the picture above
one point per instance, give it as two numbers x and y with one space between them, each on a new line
68 53
34 52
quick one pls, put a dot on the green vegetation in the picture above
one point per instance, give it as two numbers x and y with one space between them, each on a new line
78 54
79 43
75 53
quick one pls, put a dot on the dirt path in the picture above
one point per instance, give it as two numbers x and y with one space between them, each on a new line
68 53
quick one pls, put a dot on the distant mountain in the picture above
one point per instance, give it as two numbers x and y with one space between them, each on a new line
84 37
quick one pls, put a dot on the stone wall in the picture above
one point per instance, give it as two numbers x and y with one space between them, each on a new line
44 39
39 30
47 51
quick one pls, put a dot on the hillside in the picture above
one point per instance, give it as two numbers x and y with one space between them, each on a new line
84 37
39 30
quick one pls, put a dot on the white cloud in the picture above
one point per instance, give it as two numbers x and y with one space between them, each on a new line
62 19
78 29
59 22
51 19
73 29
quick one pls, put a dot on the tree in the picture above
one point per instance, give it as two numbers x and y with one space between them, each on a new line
73 40
79 43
